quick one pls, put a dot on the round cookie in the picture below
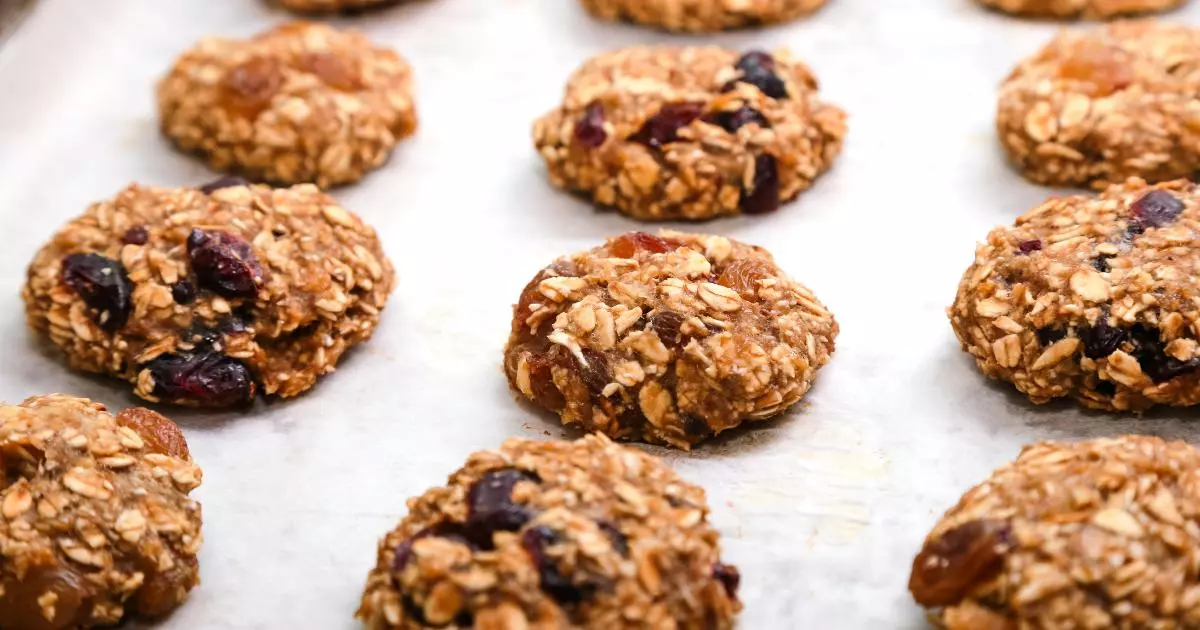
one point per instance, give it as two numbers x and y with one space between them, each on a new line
1098 534
204 296
1098 107
1092 298
334 6
96 525
669 339
302 103
665 133
542 535
701 16
1087 9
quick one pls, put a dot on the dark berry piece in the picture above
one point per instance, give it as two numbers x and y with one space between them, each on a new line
767 83
228 181
1156 209
224 263
732 121
666 325
595 373
449 530
1101 340
184 292
1106 388
553 582
619 542
589 130
763 196
103 285
952 565
695 426
490 507
663 127
755 61
729 577
137 235
1100 263
1048 336
1151 355
207 379
1028 247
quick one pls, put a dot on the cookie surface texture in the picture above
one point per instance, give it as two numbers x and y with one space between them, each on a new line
1086 9
701 16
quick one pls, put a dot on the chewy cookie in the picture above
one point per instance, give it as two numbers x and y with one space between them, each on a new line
203 297
1098 107
334 6
669 339
1087 9
1092 298
541 535
690 133
298 104
1099 534
701 15
96 525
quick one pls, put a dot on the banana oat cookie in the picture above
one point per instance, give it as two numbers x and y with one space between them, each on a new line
665 133
548 535
96 525
1097 107
298 104
334 6
1093 298
669 339
1087 9
204 297
701 15
1098 534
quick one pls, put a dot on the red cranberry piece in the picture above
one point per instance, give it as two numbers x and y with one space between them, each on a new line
729 577
595 373
103 285
589 130
950 566
1151 355
732 121
224 263
490 506
1048 336
229 181
553 582
666 325
663 127
137 235
1101 340
756 61
763 196
629 244
183 292
1028 247
1156 209
208 379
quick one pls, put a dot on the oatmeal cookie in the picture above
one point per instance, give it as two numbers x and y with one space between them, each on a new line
334 6
701 16
1093 298
204 296
1097 534
549 535
302 103
1098 107
96 525
1087 9
665 133
669 339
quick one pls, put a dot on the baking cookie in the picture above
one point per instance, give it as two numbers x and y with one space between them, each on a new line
300 103
203 297
1098 107
1093 298
669 339
334 6
690 133
96 525
701 15
541 535
1087 9
1099 534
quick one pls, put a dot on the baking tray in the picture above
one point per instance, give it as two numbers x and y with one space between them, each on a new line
822 509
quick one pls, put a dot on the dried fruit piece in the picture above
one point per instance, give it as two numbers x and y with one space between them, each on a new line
331 69
1048 336
629 244
1156 209
1101 340
1104 67
71 593
228 181
663 128
744 276
734 120
558 586
589 130
758 69
1030 246
959 560
491 508
729 577
763 195
1100 263
1152 357
666 325
755 61
183 292
159 433
137 235
596 373
207 379
249 88
103 285
224 263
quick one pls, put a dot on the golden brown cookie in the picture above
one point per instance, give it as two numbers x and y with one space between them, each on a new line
334 6
701 15
1087 9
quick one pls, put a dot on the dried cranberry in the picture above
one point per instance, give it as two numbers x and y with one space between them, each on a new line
758 69
553 582
103 285
208 379
755 61
763 195
666 325
595 372
695 426
1028 247
1101 340
490 506
137 235
732 121
1048 336
629 244
183 292
1156 209
589 130
729 577
663 127
224 263
620 543
449 530
949 566
228 181
1106 388
1100 263
1152 356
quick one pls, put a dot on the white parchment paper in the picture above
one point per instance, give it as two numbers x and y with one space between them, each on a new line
822 510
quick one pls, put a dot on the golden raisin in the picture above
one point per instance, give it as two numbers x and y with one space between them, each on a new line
20 609
249 88
629 244
331 70
1106 68
743 276
160 434
950 566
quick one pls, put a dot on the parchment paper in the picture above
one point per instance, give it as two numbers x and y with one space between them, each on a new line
822 510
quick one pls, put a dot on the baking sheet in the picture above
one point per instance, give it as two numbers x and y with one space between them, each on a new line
822 510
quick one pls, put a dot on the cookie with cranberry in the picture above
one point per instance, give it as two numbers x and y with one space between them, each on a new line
663 133
1086 9
585 534
204 297
302 103
1097 534
669 339
701 16
334 6
96 526
1100 106
1096 299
